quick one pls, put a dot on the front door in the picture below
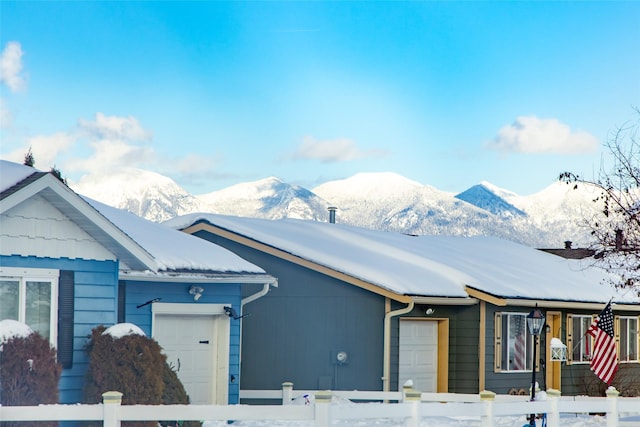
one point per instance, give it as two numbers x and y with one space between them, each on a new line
188 343
418 358
553 369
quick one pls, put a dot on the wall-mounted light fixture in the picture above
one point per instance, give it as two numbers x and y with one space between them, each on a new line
231 312
196 291
429 311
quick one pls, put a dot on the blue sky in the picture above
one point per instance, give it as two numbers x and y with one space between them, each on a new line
216 93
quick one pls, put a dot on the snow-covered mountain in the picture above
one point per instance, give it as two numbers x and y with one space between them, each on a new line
268 198
385 201
488 198
146 194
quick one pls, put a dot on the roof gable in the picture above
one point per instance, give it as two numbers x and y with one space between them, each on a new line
20 183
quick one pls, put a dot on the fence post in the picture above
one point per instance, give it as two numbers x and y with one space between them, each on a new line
412 398
322 403
405 388
612 410
287 393
553 418
487 397
111 401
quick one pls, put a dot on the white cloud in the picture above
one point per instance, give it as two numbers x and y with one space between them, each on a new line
114 142
114 127
110 154
530 134
332 150
11 67
45 149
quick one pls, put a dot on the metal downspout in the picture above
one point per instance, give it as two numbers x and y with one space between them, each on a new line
386 368
265 290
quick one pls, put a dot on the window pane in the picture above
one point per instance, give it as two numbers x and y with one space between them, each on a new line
577 334
586 343
633 339
516 355
9 299
38 307
624 340
582 342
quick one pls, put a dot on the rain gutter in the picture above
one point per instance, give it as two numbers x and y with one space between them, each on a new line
265 290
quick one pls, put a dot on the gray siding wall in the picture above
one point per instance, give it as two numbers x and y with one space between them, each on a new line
577 378
294 331
502 382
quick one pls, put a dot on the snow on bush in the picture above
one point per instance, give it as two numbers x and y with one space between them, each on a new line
10 328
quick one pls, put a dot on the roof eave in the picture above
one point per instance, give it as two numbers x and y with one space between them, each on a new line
197 277
542 303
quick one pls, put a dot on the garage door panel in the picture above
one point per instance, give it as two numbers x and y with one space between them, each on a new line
180 337
418 358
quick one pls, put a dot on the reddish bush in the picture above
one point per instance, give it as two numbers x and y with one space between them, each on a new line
133 365
30 375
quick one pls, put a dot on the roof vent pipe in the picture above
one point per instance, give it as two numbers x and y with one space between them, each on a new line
567 244
332 214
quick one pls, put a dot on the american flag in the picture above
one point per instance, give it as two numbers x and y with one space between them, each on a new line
520 345
604 361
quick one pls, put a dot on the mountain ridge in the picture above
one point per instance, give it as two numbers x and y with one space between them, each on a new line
384 201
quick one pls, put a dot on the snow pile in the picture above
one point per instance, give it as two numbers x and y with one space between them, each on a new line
123 329
13 329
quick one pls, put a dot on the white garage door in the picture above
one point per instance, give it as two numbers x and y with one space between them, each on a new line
418 359
188 342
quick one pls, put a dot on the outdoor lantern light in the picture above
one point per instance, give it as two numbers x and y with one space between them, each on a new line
558 350
535 321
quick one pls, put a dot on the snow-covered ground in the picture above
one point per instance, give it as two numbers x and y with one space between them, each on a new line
462 420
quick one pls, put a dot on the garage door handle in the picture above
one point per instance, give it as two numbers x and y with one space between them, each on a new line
204 342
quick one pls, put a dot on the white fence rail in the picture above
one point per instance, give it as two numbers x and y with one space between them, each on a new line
410 409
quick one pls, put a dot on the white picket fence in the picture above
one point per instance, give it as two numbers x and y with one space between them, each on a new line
411 407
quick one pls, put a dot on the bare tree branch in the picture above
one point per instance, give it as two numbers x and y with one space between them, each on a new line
616 230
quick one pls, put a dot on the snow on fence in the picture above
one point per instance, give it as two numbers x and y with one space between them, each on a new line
411 406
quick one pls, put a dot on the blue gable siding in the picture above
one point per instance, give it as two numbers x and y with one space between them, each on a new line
139 292
95 304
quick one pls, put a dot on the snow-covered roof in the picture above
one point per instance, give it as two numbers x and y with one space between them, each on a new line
13 173
173 252
442 266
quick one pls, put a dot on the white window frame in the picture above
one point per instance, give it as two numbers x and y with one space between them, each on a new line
623 354
24 275
581 337
507 342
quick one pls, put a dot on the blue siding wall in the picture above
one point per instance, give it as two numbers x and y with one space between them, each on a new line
139 292
95 304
